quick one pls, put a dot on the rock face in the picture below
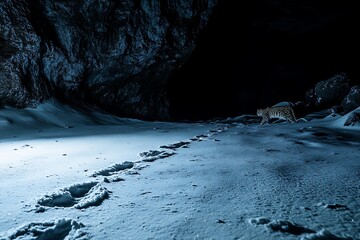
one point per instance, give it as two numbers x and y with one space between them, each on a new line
115 54
332 91
310 98
126 56
336 94
353 118
352 100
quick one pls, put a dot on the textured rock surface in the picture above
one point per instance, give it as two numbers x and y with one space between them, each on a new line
19 56
116 54
352 100
353 118
332 91
119 54
310 98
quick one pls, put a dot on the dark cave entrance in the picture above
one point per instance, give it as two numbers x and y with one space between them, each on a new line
258 53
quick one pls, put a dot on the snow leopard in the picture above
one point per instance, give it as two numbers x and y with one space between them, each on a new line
285 112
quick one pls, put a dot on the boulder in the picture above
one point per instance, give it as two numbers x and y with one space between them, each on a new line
310 98
352 99
353 119
331 92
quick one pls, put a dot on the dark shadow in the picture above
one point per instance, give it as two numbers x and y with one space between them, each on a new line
258 53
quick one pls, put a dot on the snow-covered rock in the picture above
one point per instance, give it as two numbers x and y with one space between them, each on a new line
351 119
352 99
332 91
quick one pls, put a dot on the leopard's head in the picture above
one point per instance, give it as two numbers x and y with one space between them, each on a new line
259 112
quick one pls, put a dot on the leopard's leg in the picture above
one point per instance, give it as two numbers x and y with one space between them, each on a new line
264 120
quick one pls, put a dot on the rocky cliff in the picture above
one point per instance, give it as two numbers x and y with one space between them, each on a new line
114 54
154 59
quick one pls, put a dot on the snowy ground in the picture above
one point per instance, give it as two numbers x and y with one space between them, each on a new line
65 174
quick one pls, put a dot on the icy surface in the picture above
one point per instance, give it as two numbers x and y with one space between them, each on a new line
76 175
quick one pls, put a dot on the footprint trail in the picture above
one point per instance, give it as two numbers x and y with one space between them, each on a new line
91 194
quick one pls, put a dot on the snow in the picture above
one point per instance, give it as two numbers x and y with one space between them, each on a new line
61 229
324 235
281 226
79 196
114 169
349 120
71 174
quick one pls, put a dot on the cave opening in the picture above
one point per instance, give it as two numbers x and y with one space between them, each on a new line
263 53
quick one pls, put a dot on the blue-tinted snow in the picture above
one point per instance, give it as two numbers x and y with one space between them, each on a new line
233 179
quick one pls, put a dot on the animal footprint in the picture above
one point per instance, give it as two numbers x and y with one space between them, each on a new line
295 229
60 229
288 227
114 169
281 226
324 235
336 207
153 155
199 138
79 196
259 221
177 145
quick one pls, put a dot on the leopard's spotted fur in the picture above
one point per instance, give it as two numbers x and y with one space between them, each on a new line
285 112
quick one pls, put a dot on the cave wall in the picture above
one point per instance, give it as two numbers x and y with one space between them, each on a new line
156 59
114 54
